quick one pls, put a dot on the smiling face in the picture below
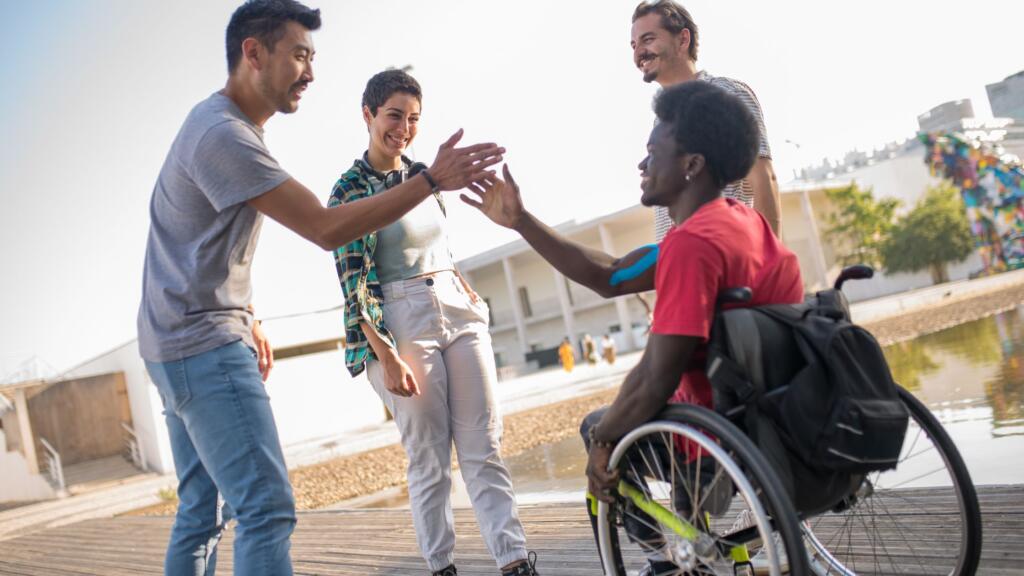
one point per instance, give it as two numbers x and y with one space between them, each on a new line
288 69
658 53
395 125
661 177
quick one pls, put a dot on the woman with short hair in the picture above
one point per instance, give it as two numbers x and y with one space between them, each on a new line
413 323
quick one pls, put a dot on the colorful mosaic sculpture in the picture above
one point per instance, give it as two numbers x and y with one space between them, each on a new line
992 189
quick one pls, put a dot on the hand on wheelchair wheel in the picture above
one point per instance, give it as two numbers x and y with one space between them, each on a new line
601 482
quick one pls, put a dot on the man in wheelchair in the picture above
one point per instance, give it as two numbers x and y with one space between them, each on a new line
705 138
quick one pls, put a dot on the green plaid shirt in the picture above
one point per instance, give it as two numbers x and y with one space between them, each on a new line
358 275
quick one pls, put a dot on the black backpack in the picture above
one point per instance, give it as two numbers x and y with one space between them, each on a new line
812 389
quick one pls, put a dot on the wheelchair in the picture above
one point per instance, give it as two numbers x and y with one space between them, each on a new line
699 495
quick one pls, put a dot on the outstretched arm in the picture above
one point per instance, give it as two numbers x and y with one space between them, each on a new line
298 209
500 201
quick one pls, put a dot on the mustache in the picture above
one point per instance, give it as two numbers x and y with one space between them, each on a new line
644 55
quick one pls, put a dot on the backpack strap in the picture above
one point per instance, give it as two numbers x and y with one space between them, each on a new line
734 389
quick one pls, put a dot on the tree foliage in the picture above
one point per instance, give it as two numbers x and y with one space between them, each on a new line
932 235
859 224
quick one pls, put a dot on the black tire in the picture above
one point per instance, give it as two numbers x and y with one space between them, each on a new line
762 485
899 512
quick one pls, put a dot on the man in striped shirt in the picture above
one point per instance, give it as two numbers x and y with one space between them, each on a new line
665 42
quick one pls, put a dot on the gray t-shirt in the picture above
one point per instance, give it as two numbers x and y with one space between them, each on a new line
196 283
413 245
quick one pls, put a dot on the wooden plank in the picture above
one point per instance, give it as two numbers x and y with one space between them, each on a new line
359 542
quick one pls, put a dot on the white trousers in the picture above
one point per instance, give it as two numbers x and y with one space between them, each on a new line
443 337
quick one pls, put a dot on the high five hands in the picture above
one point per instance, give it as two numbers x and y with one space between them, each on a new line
456 168
499 199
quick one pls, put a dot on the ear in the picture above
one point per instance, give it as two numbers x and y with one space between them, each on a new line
684 40
367 116
692 164
252 52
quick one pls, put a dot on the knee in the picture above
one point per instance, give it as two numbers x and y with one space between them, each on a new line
427 468
589 422
274 506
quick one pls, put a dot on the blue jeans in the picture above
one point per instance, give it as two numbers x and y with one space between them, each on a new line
224 441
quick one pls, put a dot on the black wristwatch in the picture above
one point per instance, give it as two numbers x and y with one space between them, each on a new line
433 185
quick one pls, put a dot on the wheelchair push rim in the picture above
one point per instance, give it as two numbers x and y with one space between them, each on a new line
712 552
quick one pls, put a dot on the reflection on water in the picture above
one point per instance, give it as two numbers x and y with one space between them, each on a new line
971 376
976 369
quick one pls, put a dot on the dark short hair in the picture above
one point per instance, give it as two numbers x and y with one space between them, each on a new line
264 20
674 18
384 84
709 121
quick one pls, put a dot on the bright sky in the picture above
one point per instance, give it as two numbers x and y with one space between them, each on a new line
95 91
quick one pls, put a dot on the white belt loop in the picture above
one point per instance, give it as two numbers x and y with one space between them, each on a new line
394 290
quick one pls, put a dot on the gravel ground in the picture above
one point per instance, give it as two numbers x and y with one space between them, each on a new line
942 316
331 482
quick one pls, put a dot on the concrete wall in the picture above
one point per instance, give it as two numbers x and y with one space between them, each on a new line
17 484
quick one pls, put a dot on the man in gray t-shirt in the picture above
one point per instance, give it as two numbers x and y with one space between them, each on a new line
196 289
203 350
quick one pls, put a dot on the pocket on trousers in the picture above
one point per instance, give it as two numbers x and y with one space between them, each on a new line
239 368
171 382
481 309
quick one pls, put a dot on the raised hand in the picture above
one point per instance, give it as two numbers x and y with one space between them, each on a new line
499 199
455 168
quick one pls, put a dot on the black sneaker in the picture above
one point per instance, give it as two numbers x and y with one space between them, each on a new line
528 568
448 570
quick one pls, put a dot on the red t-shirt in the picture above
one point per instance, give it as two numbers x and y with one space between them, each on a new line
724 244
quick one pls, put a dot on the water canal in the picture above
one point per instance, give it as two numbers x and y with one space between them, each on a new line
971 376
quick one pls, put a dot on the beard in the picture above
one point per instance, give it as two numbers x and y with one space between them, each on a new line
282 101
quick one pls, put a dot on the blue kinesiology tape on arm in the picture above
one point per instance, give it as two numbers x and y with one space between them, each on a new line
637 268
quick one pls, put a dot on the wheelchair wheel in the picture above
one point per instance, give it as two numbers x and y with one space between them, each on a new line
699 471
922 518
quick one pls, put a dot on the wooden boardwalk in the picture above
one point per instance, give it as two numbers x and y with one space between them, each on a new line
351 542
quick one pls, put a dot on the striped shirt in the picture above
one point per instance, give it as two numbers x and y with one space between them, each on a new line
740 190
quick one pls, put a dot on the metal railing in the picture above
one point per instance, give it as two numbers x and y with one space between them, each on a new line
133 451
53 465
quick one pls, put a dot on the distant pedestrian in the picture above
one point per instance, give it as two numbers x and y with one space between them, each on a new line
566 355
589 349
608 349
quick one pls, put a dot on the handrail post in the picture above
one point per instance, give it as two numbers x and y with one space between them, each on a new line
134 447
56 469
